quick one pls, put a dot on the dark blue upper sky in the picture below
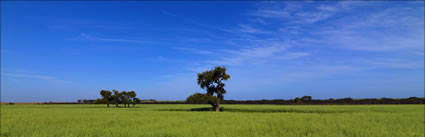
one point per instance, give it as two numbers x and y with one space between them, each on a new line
64 51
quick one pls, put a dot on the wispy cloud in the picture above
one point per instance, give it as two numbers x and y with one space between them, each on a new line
295 13
327 8
84 36
276 10
193 21
395 63
196 51
380 31
352 4
383 30
293 55
272 13
258 54
249 29
390 29
34 76
262 51
311 17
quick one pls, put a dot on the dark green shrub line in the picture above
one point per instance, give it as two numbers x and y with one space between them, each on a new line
307 100
342 101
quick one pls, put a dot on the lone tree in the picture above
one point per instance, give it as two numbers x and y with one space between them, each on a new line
212 81
106 96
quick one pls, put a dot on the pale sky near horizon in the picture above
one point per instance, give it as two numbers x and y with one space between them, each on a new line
64 51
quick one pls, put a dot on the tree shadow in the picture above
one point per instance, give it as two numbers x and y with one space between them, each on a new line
287 111
192 109
209 109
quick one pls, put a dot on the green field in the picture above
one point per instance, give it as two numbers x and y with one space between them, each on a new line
236 120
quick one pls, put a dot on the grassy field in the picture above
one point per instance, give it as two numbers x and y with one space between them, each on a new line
236 120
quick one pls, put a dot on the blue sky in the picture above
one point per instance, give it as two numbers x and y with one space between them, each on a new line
64 51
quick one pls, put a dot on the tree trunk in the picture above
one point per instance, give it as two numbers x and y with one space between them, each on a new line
134 105
217 105
107 104
116 104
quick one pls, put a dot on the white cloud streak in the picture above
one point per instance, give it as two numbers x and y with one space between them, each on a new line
34 76
195 51
85 36
259 54
249 29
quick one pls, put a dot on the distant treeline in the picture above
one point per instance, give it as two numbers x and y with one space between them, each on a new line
302 100
411 100
309 100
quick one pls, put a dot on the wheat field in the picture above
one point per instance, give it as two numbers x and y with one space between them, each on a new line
191 121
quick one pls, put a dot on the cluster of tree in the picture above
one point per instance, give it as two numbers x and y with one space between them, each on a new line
116 97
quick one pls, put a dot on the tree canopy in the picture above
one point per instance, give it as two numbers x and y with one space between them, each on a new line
117 97
212 81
